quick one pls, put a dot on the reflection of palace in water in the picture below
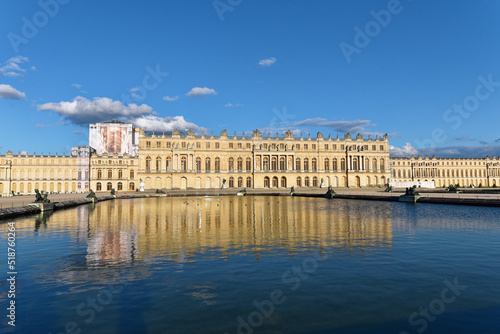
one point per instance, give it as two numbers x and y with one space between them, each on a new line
121 231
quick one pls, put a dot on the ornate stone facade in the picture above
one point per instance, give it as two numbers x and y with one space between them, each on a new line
176 161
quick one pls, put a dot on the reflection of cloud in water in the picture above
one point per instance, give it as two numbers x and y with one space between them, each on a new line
206 293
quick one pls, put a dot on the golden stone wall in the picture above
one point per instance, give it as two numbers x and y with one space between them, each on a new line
446 171
175 161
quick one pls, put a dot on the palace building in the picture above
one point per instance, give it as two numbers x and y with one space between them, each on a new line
119 157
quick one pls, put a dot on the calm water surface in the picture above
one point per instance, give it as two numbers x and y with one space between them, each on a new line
256 265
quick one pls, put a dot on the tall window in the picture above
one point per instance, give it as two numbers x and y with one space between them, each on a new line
98 186
249 182
207 164
342 164
198 164
131 173
240 182
282 163
184 163
240 163
299 181
168 163
297 164
158 163
266 163
249 164
120 173
274 163
99 174
327 164
217 164
374 164
306 181
314 164
382 164
148 163
231 182
110 173
306 164
231 164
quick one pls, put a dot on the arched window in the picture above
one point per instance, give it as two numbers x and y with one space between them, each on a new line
98 186
131 173
231 164
382 164
148 163
109 186
297 164
249 164
239 164
183 163
266 182
266 163
110 173
282 163
315 181
327 164
274 163
99 174
355 163
168 163
334 164
306 164
306 181
217 164
342 164
198 164
299 182
249 182
158 163
231 182
283 182
314 164
207 164
374 164
275 182
240 182
131 186
120 186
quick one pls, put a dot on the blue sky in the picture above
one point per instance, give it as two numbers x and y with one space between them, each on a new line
425 72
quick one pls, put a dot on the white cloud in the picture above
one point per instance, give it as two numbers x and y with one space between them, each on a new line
12 68
339 126
150 123
171 99
199 91
406 151
9 92
78 86
230 105
267 62
82 111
